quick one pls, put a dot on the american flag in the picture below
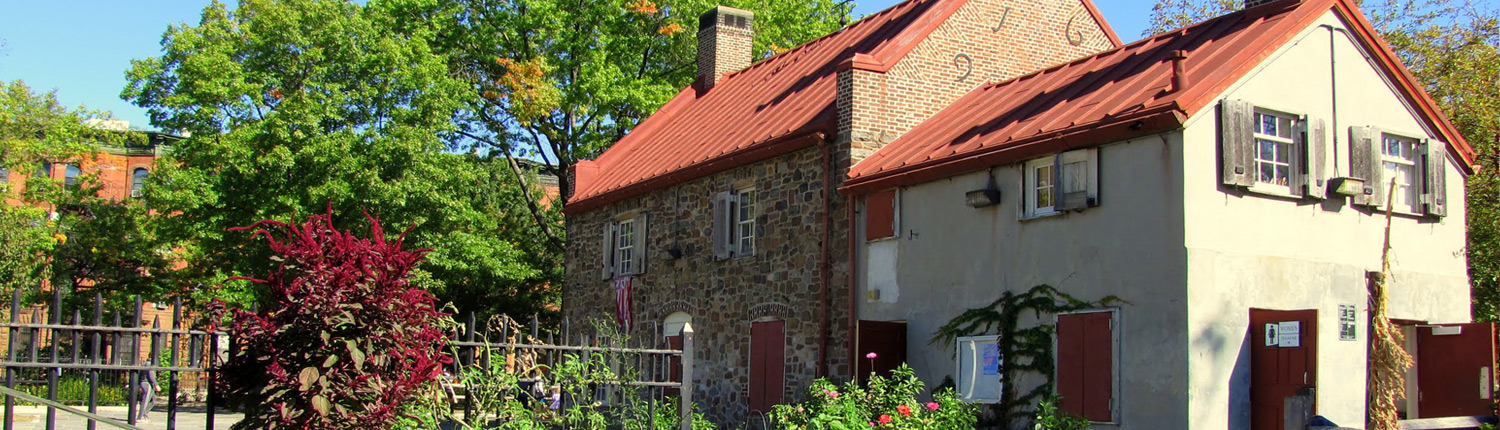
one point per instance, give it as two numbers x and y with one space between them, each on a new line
622 302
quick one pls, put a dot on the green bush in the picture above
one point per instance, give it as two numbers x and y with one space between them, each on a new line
1049 418
74 390
885 403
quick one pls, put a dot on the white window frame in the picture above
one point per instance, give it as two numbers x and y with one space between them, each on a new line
744 207
625 253
1032 181
960 381
1289 144
1114 330
1413 164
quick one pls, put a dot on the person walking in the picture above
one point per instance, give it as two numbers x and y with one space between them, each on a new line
146 393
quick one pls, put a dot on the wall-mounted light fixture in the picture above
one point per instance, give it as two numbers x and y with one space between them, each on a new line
1347 187
982 198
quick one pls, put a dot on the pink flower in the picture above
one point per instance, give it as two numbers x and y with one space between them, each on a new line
870 356
885 419
904 410
932 406
833 394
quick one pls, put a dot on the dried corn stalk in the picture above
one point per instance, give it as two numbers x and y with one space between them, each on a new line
1388 358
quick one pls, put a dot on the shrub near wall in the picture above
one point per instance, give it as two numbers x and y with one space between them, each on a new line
886 403
343 341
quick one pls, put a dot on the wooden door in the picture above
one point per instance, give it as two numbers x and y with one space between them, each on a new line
1281 364
887 339
767 364
674 366
1454 368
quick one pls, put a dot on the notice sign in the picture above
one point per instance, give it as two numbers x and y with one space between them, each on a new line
1347 316
1285 334
989 359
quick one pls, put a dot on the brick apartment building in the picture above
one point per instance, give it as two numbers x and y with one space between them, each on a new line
722 209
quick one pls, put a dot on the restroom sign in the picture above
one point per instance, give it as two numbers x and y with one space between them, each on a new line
1285 334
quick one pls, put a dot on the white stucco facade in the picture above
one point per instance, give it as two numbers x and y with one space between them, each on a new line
1189 255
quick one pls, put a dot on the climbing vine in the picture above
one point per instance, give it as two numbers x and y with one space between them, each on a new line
1022 349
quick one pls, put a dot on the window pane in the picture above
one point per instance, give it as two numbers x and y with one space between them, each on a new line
1044 197
70 176
1283 173
1044 176
1286 126
1267 150
1267 173
1267 125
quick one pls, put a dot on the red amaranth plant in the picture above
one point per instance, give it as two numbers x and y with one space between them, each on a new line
343 340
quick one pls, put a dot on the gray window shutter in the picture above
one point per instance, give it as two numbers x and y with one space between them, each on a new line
721 226
641 242
1436 176
1297 178
1237 142
1364 164
1058 192
1094 169
1316 138
607 263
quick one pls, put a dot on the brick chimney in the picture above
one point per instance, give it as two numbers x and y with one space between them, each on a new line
724 35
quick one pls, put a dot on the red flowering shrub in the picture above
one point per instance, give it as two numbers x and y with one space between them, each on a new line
342 341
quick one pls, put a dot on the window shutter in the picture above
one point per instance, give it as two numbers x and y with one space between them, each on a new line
1315 137
1094 170
1298 159
642 240
732 220
1436 176
1237 142
607 263
1363 163
1059 193
721 226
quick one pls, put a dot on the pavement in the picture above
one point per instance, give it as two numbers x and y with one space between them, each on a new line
188 418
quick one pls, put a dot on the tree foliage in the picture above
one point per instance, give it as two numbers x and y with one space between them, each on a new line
345 342
562 80
297 106
1453 49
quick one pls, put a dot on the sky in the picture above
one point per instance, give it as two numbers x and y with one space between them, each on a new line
82 48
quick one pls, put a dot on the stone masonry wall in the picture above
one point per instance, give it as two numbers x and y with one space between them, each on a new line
779 281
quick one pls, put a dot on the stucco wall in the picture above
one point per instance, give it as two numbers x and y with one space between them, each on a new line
1249 250
950 257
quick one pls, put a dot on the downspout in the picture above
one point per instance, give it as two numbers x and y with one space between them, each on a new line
823 268
1333 82
853 374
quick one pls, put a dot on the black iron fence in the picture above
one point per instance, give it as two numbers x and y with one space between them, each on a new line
52 359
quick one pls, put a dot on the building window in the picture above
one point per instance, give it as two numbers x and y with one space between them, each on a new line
1086 374
734 226
1275 142
1061 182
1398 160
138 181
625 246
70 176
44 170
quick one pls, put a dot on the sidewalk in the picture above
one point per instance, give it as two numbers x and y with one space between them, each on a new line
188 418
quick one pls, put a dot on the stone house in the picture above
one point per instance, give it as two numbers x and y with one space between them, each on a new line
722 209
1229 181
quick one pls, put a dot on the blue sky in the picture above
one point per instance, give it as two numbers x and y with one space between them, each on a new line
81 48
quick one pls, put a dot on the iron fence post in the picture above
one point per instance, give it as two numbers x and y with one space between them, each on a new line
57 319
10 373
175 344
94 357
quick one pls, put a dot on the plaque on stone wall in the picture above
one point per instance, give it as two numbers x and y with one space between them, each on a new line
1347 326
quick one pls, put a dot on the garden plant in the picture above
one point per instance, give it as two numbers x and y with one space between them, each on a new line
885 403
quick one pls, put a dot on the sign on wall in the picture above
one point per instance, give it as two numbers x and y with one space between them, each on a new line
1348 314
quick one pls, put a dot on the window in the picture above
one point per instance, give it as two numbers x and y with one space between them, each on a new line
1086 376
1417 166
1272 152
734 226
979 376
138 181
624 250
44 170
1398 161
1275 142
1061 182
70 176
744 234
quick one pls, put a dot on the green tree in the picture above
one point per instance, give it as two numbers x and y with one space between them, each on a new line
1453 49
43 222
295 107
562 80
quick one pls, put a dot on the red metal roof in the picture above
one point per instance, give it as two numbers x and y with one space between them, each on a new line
778 105
1118 94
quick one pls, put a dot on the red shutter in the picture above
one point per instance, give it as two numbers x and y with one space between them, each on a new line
880 215
1085 365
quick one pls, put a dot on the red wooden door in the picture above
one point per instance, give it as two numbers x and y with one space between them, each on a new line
674 365
1280 370
887 339
1454 366
767 364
